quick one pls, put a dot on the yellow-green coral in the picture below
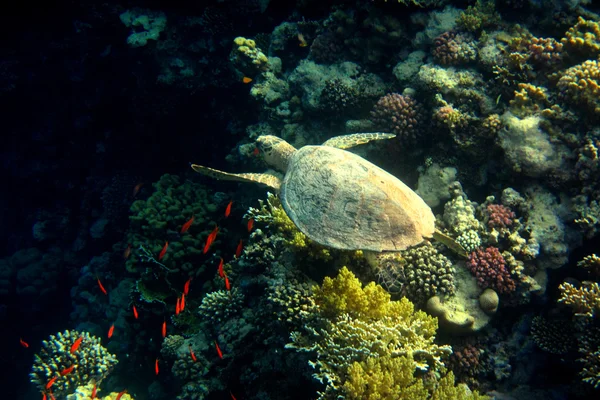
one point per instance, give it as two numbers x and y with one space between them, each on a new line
85 393
248 58
345 294
369 347
391 378
380 378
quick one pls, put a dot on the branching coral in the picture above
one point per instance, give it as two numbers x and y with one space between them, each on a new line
90 362
583 38
580 86
584 300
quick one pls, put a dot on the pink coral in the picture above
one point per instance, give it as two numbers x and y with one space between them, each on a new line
489 267
399 114
499 216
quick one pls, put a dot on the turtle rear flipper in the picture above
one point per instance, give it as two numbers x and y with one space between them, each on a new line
347 141
269 178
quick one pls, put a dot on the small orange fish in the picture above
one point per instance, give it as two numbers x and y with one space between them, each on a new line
111 330
246 80
121 394
187 225
164 329
228 209
182 303
52 396
76 344
163 251
177 307
156 367
302 41
127 252
238 251
210 239
136 189
51 382
227 284
186 286
250 224
101 286
194 359
256 152
135 312
219 352
44 396
94 392
23 343
67 370
220 269
232 396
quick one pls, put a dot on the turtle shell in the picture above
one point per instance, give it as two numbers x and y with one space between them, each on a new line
341 200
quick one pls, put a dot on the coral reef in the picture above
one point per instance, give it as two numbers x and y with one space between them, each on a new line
489 267
220 305
399 114
90 362
360 332
454 48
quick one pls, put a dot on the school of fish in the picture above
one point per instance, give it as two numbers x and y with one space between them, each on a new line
179 305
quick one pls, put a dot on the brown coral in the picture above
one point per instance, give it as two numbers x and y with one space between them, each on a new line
580 86
399 114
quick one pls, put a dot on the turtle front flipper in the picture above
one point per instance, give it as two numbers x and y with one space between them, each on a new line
450 243
347 141
269 178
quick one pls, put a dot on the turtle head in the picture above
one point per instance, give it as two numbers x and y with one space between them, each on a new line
276 151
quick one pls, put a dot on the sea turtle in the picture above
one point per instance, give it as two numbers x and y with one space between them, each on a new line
339 199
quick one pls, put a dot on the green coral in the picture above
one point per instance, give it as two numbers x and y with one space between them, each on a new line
91 362
160 218
478 17
426 273
220 305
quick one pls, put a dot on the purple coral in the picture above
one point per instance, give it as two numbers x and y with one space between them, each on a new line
489 267
499 216
452 48
399 114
